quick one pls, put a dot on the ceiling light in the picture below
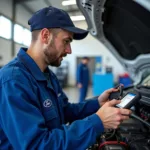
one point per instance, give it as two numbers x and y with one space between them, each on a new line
77 18
68 2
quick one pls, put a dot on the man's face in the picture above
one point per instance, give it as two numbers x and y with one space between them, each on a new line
85 61
58 47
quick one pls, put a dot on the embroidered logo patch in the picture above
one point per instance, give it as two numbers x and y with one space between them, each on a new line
47 103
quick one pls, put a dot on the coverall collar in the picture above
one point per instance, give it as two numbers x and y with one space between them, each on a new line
30 64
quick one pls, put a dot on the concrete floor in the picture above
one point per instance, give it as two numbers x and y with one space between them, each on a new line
73 94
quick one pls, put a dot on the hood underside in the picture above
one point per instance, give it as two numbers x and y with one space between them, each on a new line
123 26
127 27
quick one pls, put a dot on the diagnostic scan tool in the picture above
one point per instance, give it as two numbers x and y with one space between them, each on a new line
128 100
118 94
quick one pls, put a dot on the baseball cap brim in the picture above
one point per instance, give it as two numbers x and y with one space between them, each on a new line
79 34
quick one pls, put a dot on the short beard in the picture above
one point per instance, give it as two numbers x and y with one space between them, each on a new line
50 57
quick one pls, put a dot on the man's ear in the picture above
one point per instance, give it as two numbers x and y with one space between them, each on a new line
46 36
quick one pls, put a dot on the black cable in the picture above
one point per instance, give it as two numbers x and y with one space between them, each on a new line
138 118
112 134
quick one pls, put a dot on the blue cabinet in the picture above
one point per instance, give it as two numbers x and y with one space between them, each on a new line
102 82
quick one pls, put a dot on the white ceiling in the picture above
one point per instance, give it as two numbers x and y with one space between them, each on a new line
35 5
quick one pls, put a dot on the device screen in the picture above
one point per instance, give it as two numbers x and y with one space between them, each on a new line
126 100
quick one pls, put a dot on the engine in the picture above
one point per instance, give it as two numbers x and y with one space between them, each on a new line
133 134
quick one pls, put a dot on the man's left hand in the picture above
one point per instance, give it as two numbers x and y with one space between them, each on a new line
103 98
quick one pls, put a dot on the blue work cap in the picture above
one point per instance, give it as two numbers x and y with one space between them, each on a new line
51 17
85 57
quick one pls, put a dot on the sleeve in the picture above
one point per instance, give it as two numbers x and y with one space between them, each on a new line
80 110
79 74
24 125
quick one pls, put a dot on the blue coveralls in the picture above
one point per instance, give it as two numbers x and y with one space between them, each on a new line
34 111
83 78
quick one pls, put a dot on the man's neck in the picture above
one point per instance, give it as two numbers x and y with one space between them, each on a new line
37 58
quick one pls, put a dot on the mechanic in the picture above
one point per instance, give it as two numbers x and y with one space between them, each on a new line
34 111
83 78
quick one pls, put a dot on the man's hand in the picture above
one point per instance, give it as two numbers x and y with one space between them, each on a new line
103 98
111 116
79 85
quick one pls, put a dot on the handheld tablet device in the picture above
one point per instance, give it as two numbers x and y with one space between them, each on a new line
128 100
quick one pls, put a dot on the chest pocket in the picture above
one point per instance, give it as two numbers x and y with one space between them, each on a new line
51 118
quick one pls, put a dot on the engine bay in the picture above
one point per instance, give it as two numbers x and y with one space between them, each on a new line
132 134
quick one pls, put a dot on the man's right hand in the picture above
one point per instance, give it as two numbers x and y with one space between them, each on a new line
111 116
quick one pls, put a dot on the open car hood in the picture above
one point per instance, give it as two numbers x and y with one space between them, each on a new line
123 26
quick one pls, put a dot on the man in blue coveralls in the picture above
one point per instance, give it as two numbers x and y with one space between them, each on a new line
33 108
83 78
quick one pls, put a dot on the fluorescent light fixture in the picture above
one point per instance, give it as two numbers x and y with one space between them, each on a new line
68 2
77 18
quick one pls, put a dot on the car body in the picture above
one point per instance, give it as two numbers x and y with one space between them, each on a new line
124 28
